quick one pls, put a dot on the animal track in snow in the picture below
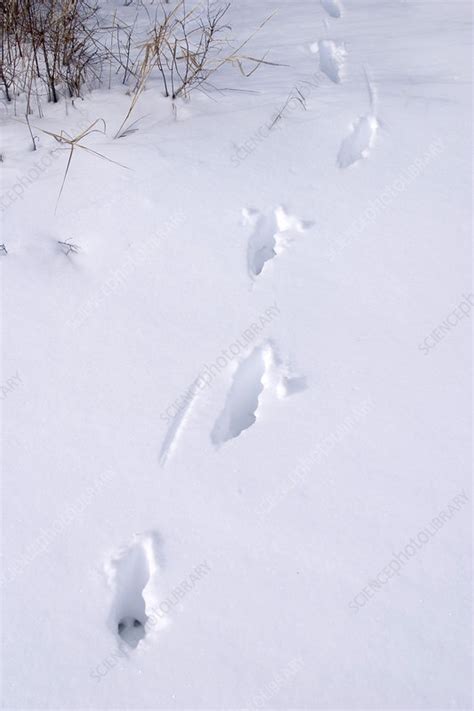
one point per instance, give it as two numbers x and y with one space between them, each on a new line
332 7
241 406
263 369
271 234
130 573
177 425
331 58
358 143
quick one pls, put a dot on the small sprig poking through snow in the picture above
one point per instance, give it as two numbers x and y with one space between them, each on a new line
68 247
295 95
3 249
75 142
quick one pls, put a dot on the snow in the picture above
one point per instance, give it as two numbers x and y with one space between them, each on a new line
221 417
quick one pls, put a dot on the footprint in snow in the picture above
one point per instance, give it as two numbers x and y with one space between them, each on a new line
332 7
261 370
130 573
271 234
241 405
332 58
358 143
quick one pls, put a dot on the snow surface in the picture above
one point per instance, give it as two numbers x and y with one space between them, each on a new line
241 514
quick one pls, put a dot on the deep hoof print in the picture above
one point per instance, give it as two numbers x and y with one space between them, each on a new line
359 142
271 233
332 57
332 7
130 574
241 406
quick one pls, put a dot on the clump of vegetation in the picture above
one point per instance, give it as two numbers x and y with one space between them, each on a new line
48 47
55 48
51 49
187 48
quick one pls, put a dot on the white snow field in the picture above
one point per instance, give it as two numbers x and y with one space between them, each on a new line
236 434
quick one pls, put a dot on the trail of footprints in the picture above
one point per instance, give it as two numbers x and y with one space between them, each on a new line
332 57
132 570
271 234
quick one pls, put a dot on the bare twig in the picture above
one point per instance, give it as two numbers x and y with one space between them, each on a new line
68 247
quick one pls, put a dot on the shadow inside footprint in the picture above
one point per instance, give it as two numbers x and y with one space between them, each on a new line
240 409
271 232
332 7
131 630
261 247
358 143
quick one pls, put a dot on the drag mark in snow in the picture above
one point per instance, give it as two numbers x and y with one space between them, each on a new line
331 58
358 143
270 236
241 406
129 574
332 7
176 427
177 414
